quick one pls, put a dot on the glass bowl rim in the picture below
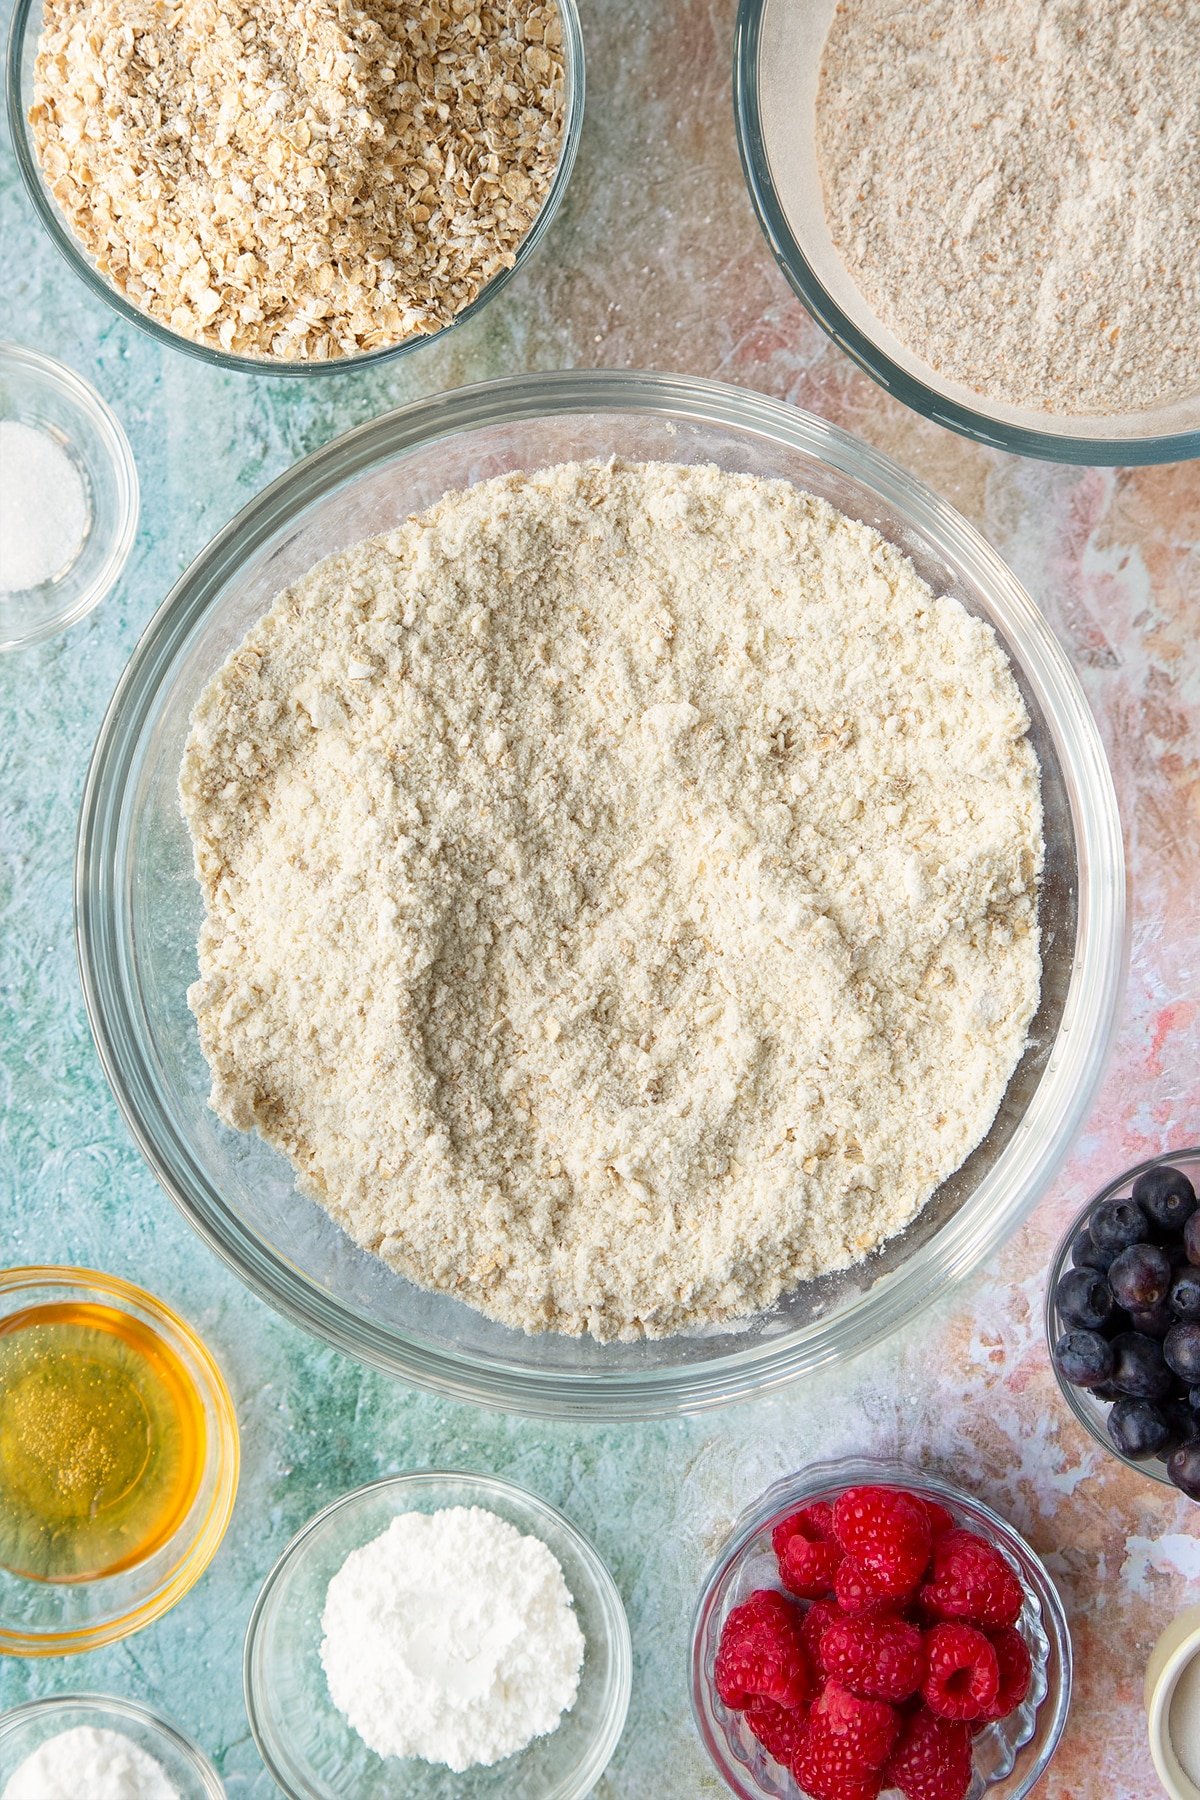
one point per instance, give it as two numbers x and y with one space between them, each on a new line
222 1458
618 1639
1151 1469
969 421
108 427
65 242
965 1240
848 1471
115 1705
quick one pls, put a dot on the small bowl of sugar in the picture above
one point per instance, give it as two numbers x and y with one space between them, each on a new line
443 1636
70 490
1173 1706
101 1746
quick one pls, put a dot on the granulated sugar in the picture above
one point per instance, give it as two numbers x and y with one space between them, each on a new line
1014 186
621 892
90 1763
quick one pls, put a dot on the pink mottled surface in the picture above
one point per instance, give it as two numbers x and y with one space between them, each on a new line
655 262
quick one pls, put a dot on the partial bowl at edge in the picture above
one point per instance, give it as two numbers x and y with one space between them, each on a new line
26 1727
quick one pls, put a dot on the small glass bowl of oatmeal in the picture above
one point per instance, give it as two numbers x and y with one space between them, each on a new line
265 286
1009 1758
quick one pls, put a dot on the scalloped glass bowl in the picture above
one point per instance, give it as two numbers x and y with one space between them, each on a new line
308 1746
1010 1757
24 31
35 390
777 140
27 1726
59 1618
138 908
1091 1412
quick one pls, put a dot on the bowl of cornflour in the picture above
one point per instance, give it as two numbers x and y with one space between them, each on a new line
990 208
600 894
446 1636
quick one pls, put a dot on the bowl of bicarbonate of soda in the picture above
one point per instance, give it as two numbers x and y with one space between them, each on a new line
302 186
991 208
444 1636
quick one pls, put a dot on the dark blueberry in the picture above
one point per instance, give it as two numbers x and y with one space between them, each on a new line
1181 1420
1181 1349
1083 1298
1166 1196
1106 1390
1115 1224
1191 1238
1137 1427
1083 1358
1194 1400
1085 1255
1155 1322
1138 1366
1140 1277
1183 1466
1185 1295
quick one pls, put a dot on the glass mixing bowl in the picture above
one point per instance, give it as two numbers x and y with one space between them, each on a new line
308 1745
138 908
24 31
1089 1409
26 1727
777 139
1009 1757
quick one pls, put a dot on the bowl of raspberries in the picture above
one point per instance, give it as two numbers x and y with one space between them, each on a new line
1123 1318
870 1631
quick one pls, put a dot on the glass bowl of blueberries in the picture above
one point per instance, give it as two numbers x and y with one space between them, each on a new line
1123 1318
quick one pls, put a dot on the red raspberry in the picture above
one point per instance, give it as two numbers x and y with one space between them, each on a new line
819 1768
777 1729
813 1522
881 1659
971 1581
808 1554
761 1654
817 1619
1016 1671
932 1759
964 1672
888 1534
866 1728
940 1519
857 1593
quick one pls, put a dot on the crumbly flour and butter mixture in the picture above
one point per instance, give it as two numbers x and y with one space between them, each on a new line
1015 186
621 892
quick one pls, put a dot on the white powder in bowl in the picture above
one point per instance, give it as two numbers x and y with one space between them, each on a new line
621 892
451 1637
43 507
90 1763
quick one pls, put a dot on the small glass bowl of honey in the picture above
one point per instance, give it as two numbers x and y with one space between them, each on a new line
118 1459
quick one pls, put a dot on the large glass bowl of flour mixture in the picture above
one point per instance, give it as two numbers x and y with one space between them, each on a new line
777 55
139 908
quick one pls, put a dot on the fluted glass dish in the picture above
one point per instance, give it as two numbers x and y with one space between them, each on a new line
1091 1411
313 1752
1009 1757
24 31
777 54
138 907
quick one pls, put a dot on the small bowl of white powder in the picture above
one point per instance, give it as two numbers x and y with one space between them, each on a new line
990 208
70 1745
441 1636
70 491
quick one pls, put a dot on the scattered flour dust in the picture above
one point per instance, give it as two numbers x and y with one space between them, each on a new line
452 1637
92 1762
1014 186
621 892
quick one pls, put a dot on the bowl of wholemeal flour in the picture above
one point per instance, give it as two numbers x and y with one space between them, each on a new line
991 208
368 176
600 894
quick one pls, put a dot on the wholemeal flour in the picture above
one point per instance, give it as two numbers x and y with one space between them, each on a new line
1014 185
621 892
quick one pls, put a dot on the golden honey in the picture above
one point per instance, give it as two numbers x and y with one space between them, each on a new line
102 1441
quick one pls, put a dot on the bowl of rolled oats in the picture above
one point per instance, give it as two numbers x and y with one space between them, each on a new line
302 186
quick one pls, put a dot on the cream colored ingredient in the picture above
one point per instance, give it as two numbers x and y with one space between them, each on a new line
299 178
1014 185
621 892
1183 1720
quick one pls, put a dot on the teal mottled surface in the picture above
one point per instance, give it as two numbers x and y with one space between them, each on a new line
655 262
